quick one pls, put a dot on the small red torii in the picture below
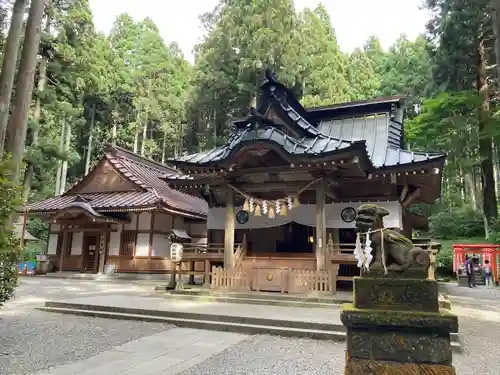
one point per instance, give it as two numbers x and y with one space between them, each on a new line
489 252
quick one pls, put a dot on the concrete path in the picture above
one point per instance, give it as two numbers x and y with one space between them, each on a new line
169 352
300 314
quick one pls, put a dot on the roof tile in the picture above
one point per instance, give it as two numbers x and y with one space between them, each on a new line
146 174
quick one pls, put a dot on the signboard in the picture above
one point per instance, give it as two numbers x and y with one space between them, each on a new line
176 250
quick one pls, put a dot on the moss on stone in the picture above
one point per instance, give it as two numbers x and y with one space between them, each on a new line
374 367
443 321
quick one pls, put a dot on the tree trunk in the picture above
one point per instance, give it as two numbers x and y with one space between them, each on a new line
9 66
164 148
146 119
36 119
496 30
489 200
59 162
91 136
18 124
136 137
64 168
114 130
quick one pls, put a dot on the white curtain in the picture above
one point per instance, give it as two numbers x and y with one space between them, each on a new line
305 214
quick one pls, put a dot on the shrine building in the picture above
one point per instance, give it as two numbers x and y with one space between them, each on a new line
122 215
287 183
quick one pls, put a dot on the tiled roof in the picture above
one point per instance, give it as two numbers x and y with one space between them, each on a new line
357 103
305 146
98 201
374 131
143 172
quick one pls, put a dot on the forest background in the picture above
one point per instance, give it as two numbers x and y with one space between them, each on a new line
131 89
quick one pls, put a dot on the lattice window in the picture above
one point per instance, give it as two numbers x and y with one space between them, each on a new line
127 243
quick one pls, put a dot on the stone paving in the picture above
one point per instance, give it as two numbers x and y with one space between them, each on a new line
169 352
318 315
38 343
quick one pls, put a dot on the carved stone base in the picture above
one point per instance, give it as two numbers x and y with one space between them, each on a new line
395 327
374 367
396 294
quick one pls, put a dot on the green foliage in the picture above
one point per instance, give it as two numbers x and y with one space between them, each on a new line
456 223
9 246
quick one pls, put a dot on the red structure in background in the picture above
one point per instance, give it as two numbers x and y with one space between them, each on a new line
485 251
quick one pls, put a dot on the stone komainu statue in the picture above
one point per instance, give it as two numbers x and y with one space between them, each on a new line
393 254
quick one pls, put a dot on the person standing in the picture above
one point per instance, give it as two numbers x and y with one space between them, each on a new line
487 273
469 269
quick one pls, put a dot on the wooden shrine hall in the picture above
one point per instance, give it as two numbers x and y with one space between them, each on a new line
123 215
289 179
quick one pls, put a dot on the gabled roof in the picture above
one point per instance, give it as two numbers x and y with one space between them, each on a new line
321 129
265 132
142 173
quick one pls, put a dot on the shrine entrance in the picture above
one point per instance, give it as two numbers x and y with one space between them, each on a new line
90 252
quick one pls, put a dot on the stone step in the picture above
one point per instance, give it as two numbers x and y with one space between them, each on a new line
207 324
217 322
252 300
339 298
236 319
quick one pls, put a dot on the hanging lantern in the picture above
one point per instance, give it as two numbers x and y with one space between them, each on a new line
264 207
271 212
283 210
246 205
289 203
296 202
257 210
251 205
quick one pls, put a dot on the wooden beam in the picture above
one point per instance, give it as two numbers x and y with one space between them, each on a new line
272 186
410 198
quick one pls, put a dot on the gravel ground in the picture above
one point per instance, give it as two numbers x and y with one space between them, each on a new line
277 355
38 340
32 340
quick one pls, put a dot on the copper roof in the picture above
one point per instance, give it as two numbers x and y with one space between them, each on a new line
151 190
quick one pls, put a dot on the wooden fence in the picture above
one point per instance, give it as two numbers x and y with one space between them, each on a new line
233 279
295 281
307 281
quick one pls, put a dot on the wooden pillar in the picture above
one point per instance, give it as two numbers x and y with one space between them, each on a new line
229 232
321 261
191 265
151 233
206 277
64 245
103 249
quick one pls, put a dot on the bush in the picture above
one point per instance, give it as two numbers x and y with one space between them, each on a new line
10 201
460 222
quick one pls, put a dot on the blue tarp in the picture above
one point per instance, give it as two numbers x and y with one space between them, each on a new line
30 265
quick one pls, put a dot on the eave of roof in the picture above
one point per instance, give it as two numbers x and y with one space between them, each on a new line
151 192
357 103
311 147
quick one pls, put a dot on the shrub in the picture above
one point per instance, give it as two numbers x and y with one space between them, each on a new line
10 201
459 222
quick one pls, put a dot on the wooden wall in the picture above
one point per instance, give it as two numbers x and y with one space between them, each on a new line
151 252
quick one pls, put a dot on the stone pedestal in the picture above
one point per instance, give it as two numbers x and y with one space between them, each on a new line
395 327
